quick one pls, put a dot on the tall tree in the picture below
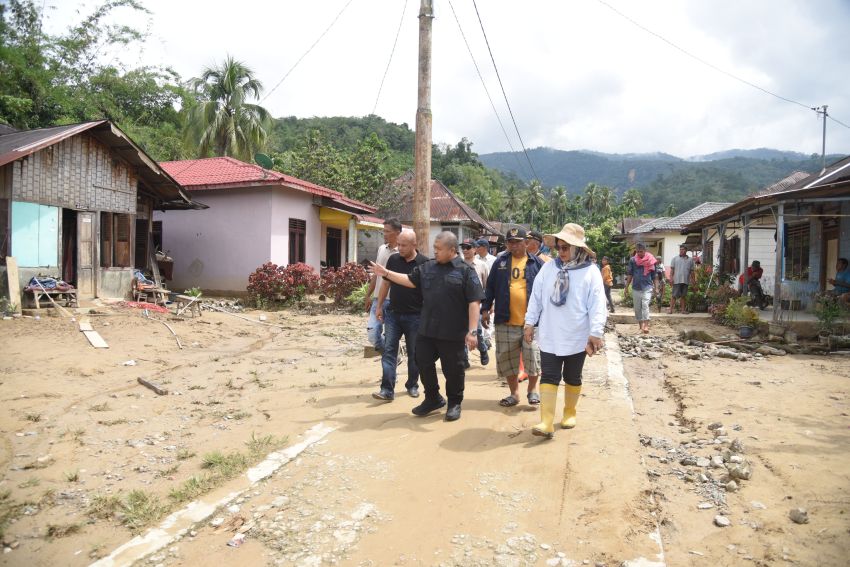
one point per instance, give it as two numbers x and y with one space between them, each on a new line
607 201
592 198
632 201
222 121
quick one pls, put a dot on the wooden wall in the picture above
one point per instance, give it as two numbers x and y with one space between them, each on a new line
77 173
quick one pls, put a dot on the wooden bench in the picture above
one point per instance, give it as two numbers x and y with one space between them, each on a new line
68 296
182 301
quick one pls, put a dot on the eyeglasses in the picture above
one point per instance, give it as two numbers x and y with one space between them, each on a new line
563 247
466 246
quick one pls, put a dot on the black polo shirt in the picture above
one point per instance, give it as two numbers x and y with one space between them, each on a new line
404 299
447 290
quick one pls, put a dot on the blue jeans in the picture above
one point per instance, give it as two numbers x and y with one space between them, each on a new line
396 325
374 328
482 345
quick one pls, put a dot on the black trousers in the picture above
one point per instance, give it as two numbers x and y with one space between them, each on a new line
608 298
553 367
452 355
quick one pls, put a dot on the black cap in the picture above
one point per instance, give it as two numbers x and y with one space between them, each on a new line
534 235
515 234
469 242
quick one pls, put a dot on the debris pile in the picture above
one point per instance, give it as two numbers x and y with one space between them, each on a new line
714 463
693 348
228 305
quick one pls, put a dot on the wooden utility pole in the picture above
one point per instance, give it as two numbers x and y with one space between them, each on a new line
422 148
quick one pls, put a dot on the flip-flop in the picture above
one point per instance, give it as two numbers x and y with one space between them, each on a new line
508 402
533 398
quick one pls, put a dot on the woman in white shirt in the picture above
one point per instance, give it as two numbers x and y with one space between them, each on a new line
568 306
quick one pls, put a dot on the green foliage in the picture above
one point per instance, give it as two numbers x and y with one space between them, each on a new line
831 314
220 120
193 292
738 314
358 296
47 80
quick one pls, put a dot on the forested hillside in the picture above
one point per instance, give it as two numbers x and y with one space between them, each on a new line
662 179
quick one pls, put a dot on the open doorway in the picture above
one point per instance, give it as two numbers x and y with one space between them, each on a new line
333 248
69 246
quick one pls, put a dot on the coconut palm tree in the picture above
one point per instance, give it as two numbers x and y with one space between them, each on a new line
632 201
607 200
222 122
560 205
592 198
512 203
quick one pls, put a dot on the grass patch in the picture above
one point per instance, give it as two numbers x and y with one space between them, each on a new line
111 422
140 509
33 417
231 386
261 446
33 481
104 507
184 454
224 465
9 510
100 407
169 471
55 531
192 488
196 387
72 476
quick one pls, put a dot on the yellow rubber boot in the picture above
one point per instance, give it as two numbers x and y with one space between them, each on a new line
548 400
571 395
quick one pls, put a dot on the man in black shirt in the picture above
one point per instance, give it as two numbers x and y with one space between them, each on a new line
451 295
400 318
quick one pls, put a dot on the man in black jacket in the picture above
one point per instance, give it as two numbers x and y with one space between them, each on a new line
451 297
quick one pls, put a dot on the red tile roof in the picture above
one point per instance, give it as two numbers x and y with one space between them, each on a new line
230 173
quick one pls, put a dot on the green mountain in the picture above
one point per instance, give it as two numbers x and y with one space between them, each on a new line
661 178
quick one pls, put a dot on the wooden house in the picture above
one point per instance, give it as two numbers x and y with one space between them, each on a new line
77 202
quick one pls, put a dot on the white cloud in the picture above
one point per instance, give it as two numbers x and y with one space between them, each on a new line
577 74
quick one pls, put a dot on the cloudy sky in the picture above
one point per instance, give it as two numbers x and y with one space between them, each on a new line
577 74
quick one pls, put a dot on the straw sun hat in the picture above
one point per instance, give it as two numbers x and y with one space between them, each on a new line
572 234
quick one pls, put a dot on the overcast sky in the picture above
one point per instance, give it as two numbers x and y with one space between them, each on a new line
577 74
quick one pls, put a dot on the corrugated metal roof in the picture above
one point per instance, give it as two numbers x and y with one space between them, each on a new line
18 145
782 184
230 173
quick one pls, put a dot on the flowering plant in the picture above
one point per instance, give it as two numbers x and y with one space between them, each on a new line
341 282
271 282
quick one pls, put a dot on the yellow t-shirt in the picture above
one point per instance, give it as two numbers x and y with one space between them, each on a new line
518 298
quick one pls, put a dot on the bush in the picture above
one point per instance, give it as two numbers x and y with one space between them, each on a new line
340 283
272 283
830 312
737 313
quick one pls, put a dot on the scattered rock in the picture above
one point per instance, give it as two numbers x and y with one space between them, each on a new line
731 486
705 506
741 471
722 521
799 515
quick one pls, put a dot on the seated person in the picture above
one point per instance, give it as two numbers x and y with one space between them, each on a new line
841 282
752 285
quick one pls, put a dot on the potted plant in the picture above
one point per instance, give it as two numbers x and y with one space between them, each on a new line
828 311
739 315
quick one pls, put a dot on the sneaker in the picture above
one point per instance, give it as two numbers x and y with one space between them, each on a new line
453 413
428 406
485 358
413 392
384 395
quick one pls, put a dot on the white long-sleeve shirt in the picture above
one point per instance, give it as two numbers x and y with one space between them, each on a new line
564 329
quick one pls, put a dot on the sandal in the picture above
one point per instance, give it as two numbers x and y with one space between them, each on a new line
533 398
508 402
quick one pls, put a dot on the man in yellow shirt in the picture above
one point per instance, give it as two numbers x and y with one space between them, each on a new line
509 286
608 282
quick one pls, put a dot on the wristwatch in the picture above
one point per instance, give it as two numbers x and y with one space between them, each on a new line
473 332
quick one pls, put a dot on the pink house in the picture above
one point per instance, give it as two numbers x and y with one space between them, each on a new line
254 216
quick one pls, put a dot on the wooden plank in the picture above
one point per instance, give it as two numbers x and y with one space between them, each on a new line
85 325
14 282
157 279
156 388
95 339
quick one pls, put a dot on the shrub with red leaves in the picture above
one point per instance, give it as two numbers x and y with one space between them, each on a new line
341 282
271 282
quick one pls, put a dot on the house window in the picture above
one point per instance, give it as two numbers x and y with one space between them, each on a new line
797 252
115 240
453 229
297 238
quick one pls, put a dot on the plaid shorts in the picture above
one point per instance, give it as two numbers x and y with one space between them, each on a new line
509 344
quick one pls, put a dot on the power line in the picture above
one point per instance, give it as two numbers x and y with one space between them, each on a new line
483 84
707 64
268 94
504 94
387 70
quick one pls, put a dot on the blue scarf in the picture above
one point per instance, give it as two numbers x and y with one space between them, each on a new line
562 279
